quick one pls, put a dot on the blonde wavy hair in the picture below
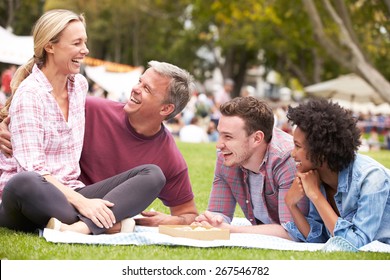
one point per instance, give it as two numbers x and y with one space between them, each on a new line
46 30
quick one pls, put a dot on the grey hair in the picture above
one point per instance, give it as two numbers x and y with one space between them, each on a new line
180 88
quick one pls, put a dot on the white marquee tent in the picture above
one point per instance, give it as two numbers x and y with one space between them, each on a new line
118 85
15 49
352 92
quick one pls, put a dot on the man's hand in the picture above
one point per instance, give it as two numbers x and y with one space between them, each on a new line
5 138
209 219
152 218
183 214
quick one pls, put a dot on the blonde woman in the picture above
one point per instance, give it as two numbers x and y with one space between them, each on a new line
40 181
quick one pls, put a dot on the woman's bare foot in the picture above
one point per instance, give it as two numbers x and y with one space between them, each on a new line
79 226
116 228
125 226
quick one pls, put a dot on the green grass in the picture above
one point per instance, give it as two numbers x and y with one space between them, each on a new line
200 159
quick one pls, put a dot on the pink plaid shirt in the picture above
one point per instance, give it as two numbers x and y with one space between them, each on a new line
277 173
42 140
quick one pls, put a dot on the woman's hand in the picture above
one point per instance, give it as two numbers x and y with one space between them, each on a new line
311 183
5 138
295 193
97 210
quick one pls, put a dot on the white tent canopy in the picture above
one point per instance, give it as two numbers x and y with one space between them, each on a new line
15 49
365 107
349 87
351 92
118 85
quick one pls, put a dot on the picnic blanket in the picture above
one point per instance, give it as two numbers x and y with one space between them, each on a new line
151 236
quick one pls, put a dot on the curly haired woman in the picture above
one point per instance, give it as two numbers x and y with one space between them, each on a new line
348 192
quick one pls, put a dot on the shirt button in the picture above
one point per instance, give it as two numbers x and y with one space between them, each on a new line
246 201
251 220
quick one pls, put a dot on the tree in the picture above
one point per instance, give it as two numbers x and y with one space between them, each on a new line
245 30
289 47
284 32
19 15
131 31
346 49
230 27
334 37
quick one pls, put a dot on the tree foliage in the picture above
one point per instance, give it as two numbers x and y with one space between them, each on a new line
343 45
305 40
19 15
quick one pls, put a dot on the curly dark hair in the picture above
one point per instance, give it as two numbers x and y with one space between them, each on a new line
257 114
331 132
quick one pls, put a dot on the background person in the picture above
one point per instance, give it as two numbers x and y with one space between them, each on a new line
193 132
6 78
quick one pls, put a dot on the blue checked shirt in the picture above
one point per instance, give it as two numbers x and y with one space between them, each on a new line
363 201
